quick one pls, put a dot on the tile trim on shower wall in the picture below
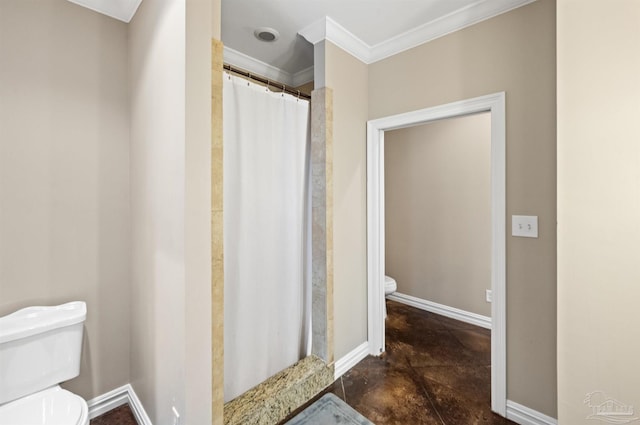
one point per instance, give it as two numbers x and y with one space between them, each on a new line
322 223
217 256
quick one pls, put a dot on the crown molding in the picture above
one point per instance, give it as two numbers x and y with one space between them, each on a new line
327 29
455 21
302 77
240 60
316 31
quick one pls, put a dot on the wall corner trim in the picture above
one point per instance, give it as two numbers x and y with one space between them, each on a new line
328 29
315 32
350 359
526 416
115 398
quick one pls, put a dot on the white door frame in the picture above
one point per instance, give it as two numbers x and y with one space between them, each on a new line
494 103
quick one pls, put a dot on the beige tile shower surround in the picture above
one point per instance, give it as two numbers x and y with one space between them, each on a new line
217 254
275 398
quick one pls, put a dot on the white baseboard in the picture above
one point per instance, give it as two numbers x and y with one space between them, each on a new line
525 416
352 358
115 398
108 401
125 394
443 310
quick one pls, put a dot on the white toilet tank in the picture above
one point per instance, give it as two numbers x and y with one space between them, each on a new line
40 347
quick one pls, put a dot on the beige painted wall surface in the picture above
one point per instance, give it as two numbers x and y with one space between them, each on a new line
438 211
598 205
157 90
64 175
198 373
515 53
347 76
216 21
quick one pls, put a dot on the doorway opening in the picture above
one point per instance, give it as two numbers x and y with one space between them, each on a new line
495 105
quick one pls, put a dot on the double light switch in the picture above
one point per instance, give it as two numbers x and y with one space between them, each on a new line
525 226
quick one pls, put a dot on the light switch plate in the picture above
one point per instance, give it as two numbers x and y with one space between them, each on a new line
525 226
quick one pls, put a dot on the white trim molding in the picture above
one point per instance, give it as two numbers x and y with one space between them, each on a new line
455 21
495 104
525 416
302 77
115 398
443 310
108 401
351 359
327 29
263 69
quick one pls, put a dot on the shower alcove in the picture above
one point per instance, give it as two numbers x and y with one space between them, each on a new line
274 399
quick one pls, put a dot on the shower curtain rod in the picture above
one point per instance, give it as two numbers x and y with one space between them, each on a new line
269 83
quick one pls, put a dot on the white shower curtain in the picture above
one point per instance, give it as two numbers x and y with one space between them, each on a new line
266 303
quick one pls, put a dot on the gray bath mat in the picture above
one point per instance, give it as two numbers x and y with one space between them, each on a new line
329 410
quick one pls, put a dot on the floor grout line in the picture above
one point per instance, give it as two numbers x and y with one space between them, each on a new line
424 391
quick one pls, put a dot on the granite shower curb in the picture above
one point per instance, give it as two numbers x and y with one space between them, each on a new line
276 398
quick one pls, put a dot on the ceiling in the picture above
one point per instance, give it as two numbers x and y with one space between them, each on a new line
368 29
122 10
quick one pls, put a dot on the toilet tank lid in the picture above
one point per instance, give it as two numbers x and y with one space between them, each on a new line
34 320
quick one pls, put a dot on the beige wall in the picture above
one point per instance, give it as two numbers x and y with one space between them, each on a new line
157 90
216 21
64 175
347 76
598 204
515 53
76 195
438 211
198 374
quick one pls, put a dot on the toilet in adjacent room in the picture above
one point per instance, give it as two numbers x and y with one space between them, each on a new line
390 286
40 348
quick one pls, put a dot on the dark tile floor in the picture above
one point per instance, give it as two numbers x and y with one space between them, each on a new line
119 416
435 371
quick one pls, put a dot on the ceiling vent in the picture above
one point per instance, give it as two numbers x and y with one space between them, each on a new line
266 34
